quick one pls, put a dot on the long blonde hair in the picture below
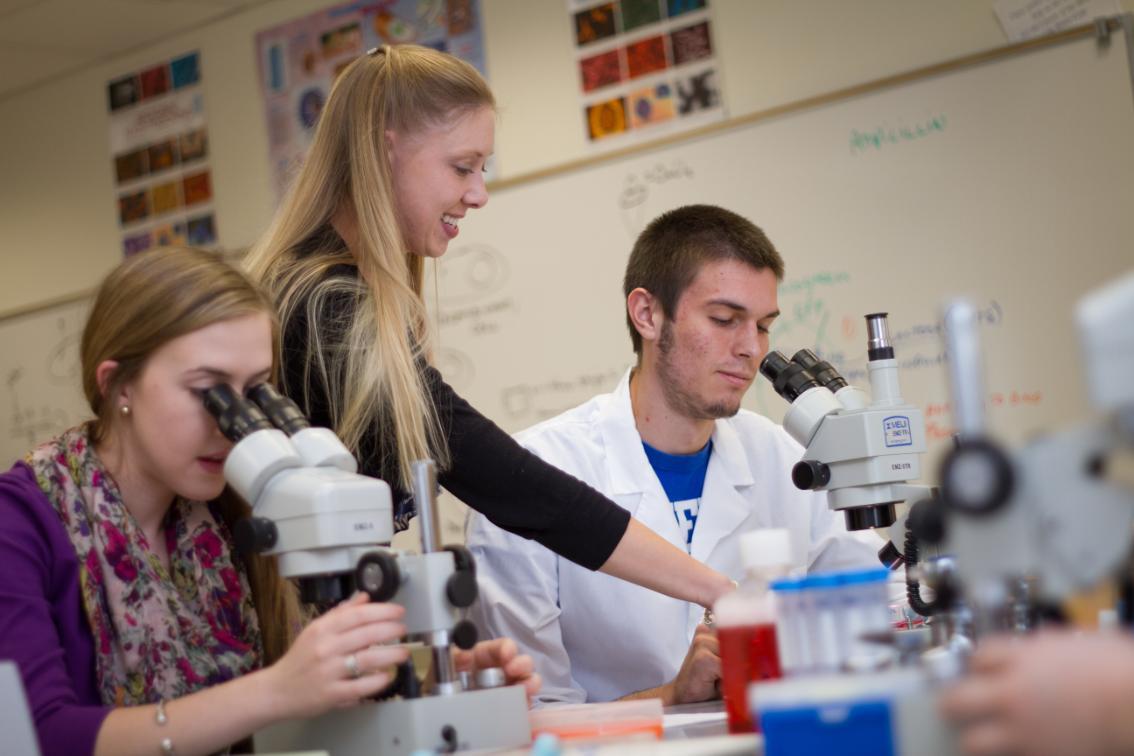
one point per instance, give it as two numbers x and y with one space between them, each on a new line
372 378
143 304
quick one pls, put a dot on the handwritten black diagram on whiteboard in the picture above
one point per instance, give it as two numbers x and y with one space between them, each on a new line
40 391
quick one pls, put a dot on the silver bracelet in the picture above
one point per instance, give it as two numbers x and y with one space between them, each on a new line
162 718
708 619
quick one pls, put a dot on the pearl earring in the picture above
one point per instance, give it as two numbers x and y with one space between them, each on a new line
125 410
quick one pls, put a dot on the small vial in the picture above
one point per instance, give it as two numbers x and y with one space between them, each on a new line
866 611
790 626
824 602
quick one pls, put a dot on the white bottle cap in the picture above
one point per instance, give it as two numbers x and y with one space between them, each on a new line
765 548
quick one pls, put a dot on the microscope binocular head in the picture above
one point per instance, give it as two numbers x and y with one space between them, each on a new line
861 451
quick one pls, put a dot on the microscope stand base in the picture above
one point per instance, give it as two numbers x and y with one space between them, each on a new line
489 718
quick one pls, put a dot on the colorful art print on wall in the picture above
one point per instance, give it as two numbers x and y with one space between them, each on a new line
133 207
180 73
166 198
170 235
201 230
163 155
606 20
655 56
194 145
646 56
691 44
131 165
601 70
135 243
197 188
652 105
185 71
159 147
155 81
697 92
300 59
637 13
123 92
606 118
595 24
678 7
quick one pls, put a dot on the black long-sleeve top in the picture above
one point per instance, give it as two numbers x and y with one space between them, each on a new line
489 471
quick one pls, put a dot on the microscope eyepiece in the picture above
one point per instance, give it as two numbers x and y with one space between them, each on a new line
282 411
788 379
823 371
236 416
878 346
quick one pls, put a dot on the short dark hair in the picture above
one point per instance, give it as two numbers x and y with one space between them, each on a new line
672 249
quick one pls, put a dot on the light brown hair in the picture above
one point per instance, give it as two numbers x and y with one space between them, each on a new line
143 304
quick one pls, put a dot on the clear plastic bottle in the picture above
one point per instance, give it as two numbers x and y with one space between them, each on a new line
746 624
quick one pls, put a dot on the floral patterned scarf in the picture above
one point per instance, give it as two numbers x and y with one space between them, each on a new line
158 633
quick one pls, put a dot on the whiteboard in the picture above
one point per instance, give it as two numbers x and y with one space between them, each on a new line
40 384
1010 182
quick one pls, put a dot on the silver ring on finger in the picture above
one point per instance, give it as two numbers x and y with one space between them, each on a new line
351 663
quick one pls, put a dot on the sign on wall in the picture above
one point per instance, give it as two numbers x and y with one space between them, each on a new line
300 59
159 145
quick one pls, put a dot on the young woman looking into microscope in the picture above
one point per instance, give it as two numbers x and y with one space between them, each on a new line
135 626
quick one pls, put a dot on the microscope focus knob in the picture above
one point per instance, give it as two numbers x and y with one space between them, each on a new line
810 474
377 573
464 635
253 535
461 588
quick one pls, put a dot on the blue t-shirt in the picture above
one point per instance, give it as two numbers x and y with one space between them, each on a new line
683 477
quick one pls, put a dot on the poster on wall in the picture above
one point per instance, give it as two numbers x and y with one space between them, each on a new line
159 145
300 59
645 68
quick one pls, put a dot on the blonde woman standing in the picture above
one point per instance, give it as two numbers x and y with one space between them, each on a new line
396 162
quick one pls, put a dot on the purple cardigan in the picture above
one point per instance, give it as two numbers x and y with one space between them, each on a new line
43 627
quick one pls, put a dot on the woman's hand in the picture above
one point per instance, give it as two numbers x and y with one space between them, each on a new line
519 669
337 659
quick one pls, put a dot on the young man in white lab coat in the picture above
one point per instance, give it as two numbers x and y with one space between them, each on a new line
673 447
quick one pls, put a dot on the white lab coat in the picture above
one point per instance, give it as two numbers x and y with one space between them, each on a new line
594 637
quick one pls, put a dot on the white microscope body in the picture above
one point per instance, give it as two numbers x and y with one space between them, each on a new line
862 451
330 529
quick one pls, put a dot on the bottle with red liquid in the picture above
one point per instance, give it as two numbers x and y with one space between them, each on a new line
745 622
